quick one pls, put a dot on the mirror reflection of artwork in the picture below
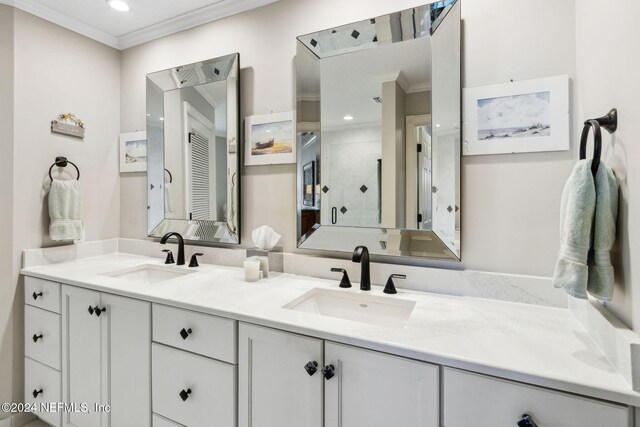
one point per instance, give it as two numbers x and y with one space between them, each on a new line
270 139
378 110
308 186
516 116
192 120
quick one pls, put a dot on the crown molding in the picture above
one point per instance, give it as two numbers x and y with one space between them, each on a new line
214 12
63 20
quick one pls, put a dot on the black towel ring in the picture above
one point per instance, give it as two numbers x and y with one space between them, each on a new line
62 162
170 176
610 123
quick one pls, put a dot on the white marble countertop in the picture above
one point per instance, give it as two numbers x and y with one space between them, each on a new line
543 346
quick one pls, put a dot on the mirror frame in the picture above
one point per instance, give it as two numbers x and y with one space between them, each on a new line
445 11
226 68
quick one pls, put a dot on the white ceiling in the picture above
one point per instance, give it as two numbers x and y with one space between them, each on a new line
147 20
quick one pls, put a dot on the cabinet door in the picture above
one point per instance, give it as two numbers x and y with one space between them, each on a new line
372 389
81 355
275 390
126 363
477 400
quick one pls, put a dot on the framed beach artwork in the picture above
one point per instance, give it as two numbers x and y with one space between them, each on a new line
133 152
518 117
270 139
309 185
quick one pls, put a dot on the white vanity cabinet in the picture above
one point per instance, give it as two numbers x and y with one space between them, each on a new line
106 358
477 400
361 388
194 368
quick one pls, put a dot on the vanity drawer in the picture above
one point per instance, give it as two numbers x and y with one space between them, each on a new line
42 336
210 336
40 377
480 401
212 385
50 298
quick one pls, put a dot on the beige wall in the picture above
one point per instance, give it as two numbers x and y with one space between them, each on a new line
510 203
607 62
57 71
7 287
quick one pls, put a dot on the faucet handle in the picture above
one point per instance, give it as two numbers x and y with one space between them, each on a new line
345 282
194 260
170 259
390 288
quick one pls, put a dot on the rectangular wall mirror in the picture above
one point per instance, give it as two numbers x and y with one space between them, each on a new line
193 153
378 134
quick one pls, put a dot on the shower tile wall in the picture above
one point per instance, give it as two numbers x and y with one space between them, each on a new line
350 176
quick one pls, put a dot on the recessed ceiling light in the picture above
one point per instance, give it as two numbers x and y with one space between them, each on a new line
348 118
118 5
162 119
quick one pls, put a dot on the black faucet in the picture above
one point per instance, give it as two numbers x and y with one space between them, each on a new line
361 255
180 245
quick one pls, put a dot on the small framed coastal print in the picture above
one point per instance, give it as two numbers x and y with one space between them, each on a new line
517 117
270 139
133 152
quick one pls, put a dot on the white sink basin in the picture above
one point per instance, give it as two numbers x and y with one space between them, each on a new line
360 307
148 274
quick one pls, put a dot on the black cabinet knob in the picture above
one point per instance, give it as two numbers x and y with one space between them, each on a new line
36 337
184 333
99 310
311 367
90 310
184 394
329 372
36 393
527 421
36 295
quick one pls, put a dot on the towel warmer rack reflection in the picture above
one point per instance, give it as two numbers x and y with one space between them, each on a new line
62 162
610 123
170 176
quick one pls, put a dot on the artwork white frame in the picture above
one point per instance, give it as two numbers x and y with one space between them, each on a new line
284 124
126 140
495 117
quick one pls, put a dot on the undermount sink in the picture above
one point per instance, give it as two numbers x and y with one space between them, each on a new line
372 309
148 274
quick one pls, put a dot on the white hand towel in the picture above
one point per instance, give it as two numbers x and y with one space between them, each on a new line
576 218
601 277
168 201
65 211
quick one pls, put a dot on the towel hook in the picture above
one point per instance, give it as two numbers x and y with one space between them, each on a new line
62 162
170 176
610 123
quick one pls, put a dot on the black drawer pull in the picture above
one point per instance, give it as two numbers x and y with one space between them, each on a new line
527 421
36 393
329 372
311 368
184 333
35 296
91 310
184 394
36 337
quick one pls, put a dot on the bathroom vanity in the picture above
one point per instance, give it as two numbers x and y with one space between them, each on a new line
177 346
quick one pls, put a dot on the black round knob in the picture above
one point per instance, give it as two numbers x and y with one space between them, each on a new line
527 421
99 310
36 295
184 333
36 337
36 393
311 367
184 394
329 372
